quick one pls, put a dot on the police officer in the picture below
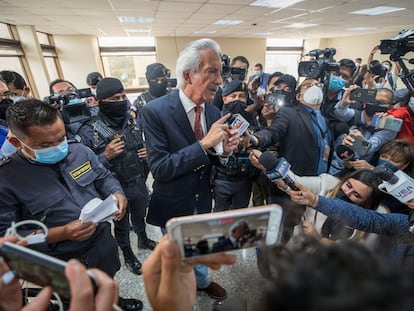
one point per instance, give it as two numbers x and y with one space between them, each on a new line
117 140
156 75
49 180
233 178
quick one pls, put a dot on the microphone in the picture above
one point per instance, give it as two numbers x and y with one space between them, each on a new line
398 184
345 153
276 169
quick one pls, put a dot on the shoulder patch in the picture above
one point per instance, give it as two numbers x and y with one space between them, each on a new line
81 170
4 161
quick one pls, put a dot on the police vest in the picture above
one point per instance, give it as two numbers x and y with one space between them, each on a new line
238 165
127 166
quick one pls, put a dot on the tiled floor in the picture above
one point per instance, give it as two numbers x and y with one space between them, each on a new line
242 281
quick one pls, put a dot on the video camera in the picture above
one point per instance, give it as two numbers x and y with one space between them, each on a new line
322 64
225 69
72 106
397 47
276 100
378 69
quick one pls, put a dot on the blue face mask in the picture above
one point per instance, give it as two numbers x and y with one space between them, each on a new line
411 104
50 155
257 73
336 83
387 164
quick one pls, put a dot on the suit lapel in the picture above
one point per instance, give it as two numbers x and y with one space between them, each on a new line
306 119
210 116
180 117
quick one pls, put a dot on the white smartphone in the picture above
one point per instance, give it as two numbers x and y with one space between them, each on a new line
203 234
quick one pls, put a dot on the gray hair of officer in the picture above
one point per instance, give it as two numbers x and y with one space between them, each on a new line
189 59
27 113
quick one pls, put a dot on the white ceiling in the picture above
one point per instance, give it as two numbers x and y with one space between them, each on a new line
181 18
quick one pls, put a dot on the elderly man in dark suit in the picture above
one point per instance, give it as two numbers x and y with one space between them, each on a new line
184 137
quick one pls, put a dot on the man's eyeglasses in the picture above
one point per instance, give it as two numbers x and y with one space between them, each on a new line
6 95
308 85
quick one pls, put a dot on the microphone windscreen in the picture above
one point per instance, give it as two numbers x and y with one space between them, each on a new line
385 174
268 160
345 152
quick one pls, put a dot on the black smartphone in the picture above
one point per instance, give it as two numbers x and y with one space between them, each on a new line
38 268
360 146
363 95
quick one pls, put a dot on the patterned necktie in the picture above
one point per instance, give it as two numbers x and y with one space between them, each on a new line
198 130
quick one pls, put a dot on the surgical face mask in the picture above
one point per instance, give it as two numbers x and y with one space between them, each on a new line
371 109
50 155
336 83
74 101
342 195
313 95
387 164
411 104
17 99
378 85
93 92
257 73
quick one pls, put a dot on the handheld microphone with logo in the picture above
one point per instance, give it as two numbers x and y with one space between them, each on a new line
277 169
398 184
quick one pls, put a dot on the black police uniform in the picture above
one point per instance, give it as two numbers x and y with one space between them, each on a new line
233 182
55 195
129 169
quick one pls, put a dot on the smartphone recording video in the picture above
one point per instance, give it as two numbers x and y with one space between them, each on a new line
205 234
363 95
38 268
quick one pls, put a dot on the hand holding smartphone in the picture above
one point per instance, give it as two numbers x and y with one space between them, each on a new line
205 234
38 268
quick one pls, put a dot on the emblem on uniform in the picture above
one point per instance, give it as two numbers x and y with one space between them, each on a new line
81 170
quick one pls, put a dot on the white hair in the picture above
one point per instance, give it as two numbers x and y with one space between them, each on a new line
189 58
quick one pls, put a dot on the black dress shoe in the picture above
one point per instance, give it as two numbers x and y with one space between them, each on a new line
133 265
130 304
215 291
144 242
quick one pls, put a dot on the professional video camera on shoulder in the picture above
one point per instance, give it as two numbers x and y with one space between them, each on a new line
72 105
323 63
397 47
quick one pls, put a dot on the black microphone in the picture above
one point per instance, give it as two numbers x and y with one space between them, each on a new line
386 174
277 169
345 153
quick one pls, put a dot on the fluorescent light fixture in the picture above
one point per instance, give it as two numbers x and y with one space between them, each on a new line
378 10
142 20
207 32
361 28
126 41
228 22
275 3
300 25
138 30
263 33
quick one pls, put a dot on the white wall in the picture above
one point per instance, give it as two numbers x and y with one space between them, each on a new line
254 50
78 55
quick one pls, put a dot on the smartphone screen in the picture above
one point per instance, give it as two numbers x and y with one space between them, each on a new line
225 231
36 267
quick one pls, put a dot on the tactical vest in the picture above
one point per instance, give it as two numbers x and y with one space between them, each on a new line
238 165
127 166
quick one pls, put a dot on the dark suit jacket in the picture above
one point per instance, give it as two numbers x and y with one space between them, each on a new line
180 167
292 130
